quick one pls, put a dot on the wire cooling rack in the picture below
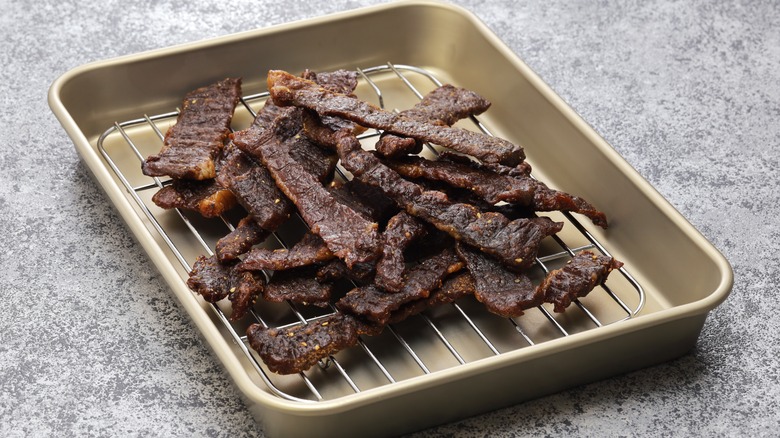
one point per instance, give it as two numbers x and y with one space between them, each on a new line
439 338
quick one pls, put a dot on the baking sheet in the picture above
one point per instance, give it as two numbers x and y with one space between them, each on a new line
565 152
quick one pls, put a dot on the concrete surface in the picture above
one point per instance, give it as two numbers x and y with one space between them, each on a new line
93 343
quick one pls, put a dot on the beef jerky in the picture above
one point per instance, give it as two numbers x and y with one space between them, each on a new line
490 186
576 279
247 287
515 242
247 234
453 288
298 286
254 188
207 197
445 105
339 81
348 235
287 89
308 251
295 349
401 230
543 199
191 146
503 292
335 269
367 200
214 281
377 306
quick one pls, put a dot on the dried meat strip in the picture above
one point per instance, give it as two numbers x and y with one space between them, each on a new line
299 286
453 288
493 187
207 197
347 234
490 186
254 188
214 281
339 81
191 146
576 279
515 242
247 234
295 349
401 231
502 291
377 306
444 105
287 89
308 251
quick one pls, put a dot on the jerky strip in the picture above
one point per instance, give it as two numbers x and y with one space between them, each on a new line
348 235
401 230
451 290
207 197
193 143
311 249
445 105
214 281
515 242
490 186
254 188
247 234
503 292
543 199
377 306
295 349
298 286
287 89
576 279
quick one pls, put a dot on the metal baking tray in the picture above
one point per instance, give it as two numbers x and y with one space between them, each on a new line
448 363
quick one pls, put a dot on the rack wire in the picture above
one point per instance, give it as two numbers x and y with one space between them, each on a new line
454 335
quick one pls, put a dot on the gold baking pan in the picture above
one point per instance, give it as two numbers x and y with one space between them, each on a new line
448 363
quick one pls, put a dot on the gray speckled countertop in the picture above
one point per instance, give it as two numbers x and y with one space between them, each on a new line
93 343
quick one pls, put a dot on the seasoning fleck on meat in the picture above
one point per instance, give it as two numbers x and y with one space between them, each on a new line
191 146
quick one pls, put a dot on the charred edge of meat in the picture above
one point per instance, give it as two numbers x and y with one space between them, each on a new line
247 234
287 89
501 291
192 144
576 279
207 197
